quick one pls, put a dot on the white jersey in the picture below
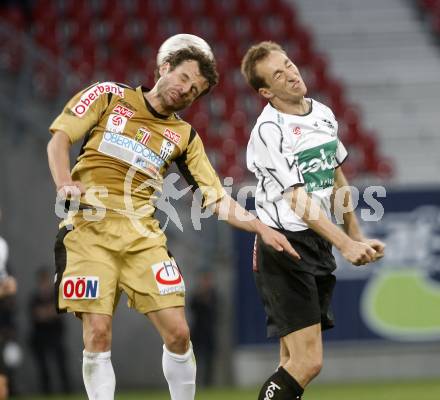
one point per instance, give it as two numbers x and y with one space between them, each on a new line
3 257
288 150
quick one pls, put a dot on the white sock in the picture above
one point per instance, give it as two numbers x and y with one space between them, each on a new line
180 373
98 375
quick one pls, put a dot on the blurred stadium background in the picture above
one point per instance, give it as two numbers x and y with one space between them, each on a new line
376 63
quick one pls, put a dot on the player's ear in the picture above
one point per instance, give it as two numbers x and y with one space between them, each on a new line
164 69
266 93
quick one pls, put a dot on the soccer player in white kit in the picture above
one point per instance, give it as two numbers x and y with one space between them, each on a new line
295 154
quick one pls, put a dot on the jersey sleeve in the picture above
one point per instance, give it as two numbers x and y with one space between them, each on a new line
83 110
341 151
271 158
196 168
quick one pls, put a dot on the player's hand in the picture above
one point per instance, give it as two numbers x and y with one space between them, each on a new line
8 286
73 190
277 240
378 246
358 253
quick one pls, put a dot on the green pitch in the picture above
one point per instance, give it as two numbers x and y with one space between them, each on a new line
412 390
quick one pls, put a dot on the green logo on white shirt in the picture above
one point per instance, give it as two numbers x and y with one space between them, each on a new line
317 166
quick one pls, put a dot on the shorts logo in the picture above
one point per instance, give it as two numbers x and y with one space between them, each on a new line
297 130
142 136
116 123
121 110
80 287
166 149
92 94
173 136
168 277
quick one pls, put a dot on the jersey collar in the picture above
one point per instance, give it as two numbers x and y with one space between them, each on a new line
296 115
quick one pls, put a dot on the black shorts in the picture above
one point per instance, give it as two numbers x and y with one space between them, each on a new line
296 294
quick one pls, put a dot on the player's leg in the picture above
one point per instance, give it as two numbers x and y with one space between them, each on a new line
289 381
178 359
306 344
284 353
87 279
98 375
155 287
291 300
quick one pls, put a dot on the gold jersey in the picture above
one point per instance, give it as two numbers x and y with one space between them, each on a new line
128 147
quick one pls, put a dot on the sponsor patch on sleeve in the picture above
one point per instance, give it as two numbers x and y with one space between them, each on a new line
93 94
168 277
80 287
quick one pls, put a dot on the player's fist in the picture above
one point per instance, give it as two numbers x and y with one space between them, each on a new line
378 246
73 190
358 253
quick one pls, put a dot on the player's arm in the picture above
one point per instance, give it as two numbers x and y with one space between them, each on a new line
357 253
342 204
58 154
198 171
234 214
78 117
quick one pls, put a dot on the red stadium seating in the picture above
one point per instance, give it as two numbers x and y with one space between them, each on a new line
118 41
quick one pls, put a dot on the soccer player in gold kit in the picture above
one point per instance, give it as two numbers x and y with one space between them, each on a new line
130 136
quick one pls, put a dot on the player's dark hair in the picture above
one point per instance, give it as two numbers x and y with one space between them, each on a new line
250 60
207 66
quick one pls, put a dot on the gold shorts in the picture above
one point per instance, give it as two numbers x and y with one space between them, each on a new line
97 260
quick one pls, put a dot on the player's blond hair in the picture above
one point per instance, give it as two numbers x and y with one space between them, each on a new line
254 55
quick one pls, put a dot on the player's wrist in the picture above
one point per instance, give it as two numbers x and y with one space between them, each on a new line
356 235
344 243
63 183
259 227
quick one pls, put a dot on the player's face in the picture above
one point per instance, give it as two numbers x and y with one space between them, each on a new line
282 78
177 89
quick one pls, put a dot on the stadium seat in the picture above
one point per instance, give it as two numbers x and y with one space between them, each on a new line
101 40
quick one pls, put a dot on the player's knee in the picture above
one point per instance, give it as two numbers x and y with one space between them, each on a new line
314 366
97 337
177 341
